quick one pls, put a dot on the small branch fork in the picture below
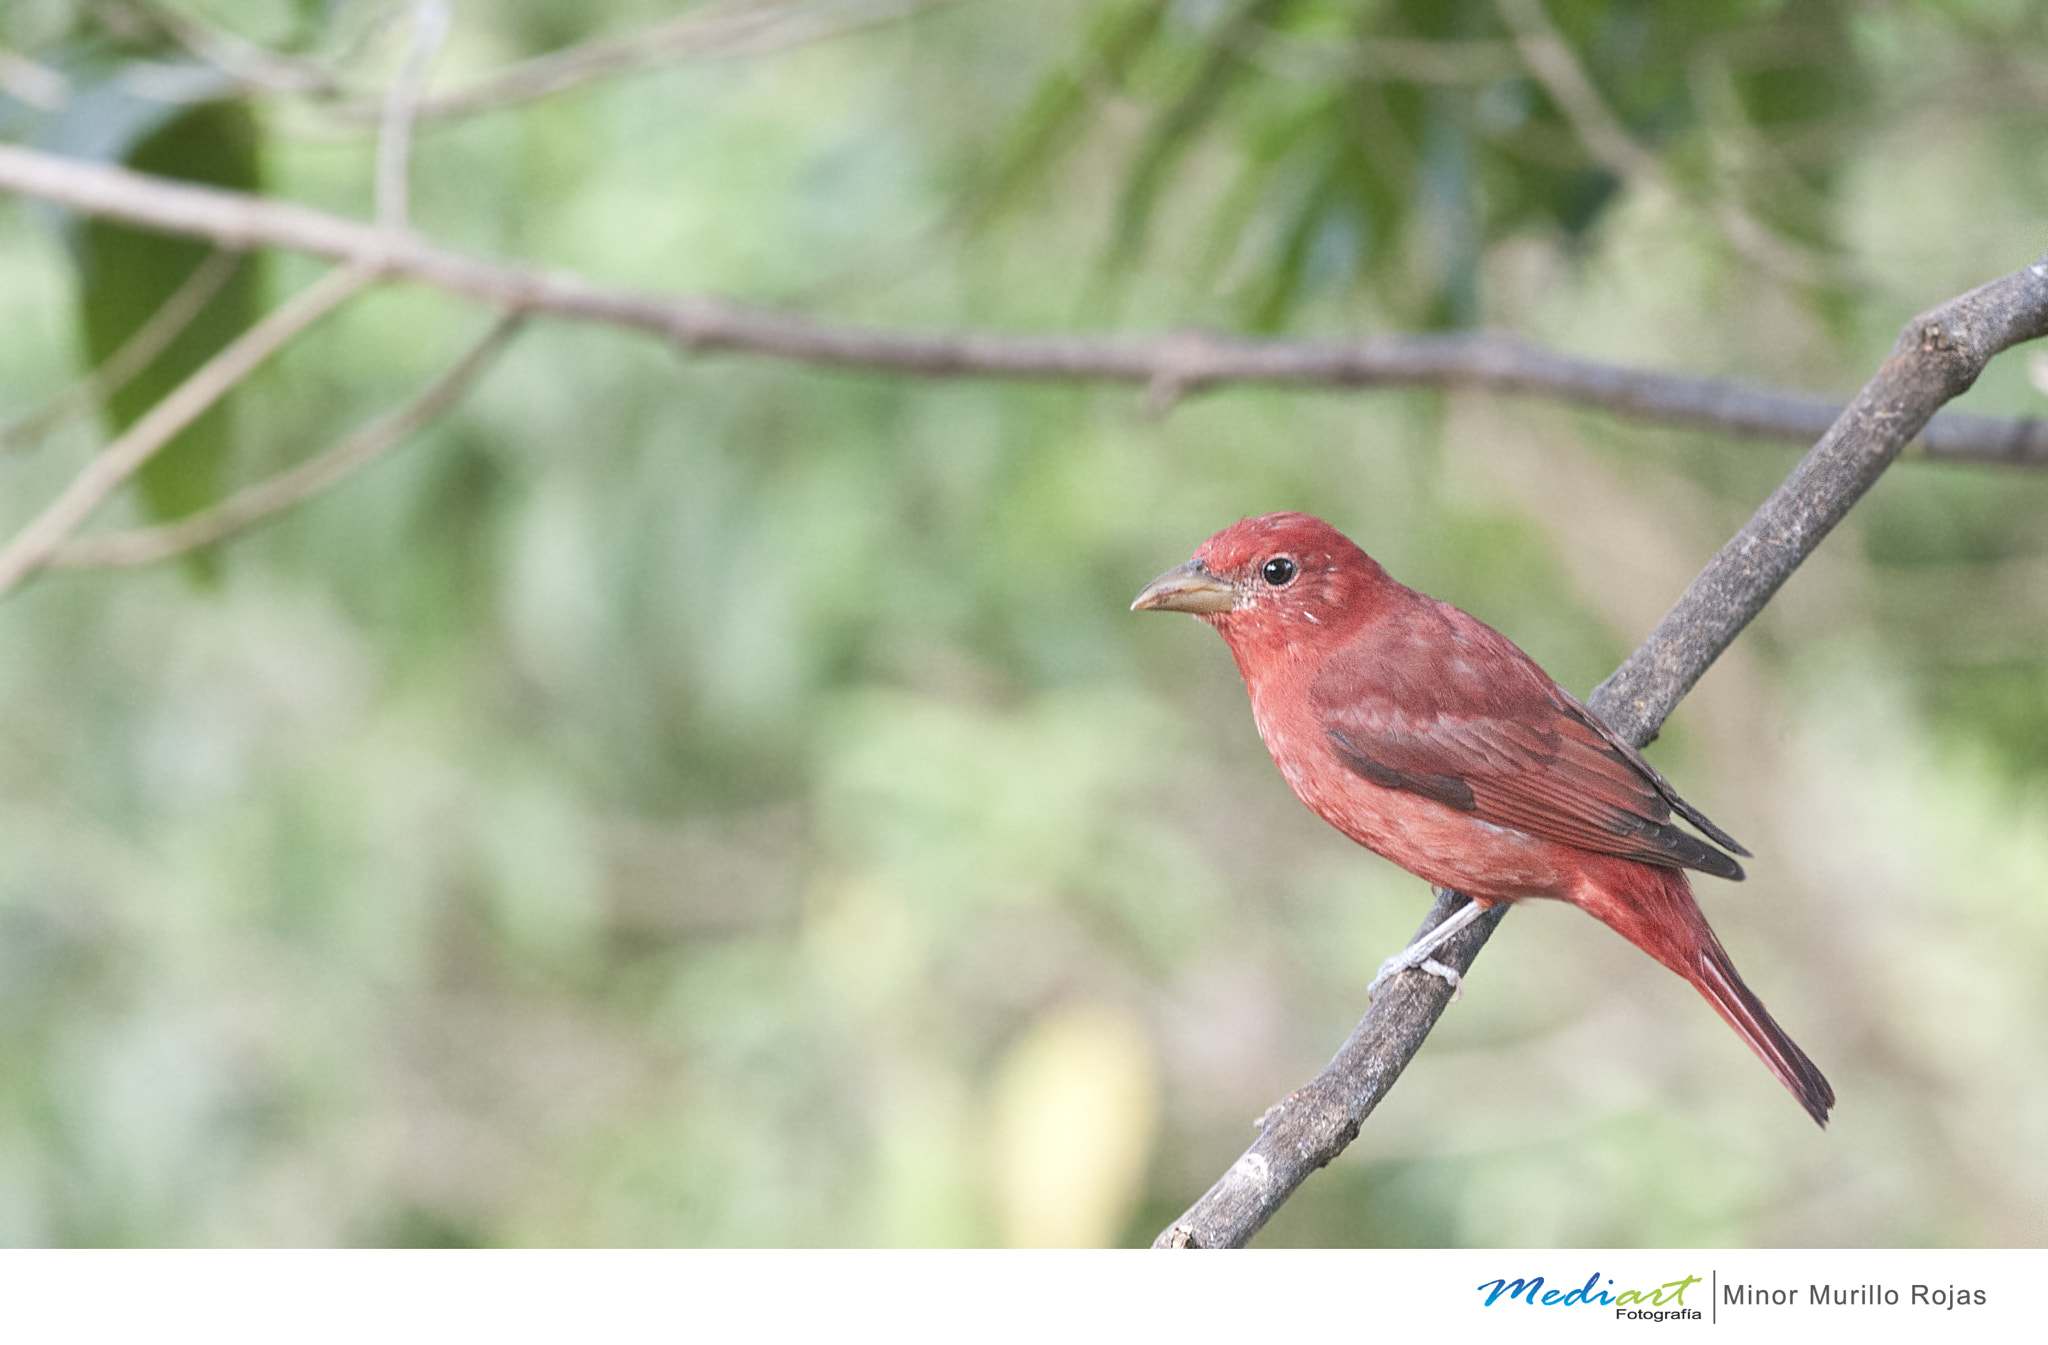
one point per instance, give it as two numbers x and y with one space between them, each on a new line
1937 357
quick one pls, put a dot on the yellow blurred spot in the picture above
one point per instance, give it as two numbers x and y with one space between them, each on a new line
1076 1108
864 943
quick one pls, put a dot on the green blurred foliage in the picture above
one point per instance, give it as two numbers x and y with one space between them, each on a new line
126 275
131 97
1381 147
692 800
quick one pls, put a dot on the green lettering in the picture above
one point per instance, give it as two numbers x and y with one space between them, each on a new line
1677 1288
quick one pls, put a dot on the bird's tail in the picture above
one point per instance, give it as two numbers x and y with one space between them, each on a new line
1653 908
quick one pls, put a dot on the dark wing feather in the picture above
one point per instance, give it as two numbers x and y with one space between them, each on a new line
1434 702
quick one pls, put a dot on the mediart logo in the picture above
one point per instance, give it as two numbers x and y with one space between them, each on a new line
1666 1302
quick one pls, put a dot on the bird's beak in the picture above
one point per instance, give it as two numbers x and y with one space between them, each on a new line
1187 588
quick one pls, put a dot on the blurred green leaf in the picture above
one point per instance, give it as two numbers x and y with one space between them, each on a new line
127 275
1195 102
1053 120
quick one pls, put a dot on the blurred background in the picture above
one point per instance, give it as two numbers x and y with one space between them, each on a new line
707 801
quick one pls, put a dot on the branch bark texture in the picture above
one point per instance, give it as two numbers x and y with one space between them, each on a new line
1169 365
1937 357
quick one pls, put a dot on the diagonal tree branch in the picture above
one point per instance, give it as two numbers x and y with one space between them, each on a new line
31 548
253 504
137 353
1937 357
1168 365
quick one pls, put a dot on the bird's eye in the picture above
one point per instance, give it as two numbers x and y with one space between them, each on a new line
1279 572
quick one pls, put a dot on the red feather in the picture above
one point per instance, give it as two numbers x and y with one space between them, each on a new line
1425 735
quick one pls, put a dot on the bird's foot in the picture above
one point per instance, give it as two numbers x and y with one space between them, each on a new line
1419 954
1415 959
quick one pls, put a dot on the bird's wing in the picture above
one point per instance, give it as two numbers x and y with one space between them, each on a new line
1436 703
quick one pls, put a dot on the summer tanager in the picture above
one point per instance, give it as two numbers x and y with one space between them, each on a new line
1425 735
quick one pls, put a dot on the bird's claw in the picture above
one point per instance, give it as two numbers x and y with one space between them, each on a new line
1409 960
1436 968
1417 955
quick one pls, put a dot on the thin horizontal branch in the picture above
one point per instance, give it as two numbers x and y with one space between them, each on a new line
253 504
1938 356
1170 364
256 68
738 27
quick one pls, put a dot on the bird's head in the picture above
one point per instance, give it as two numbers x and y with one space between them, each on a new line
1277 576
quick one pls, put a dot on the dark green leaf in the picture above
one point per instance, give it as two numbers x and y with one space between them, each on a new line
127 275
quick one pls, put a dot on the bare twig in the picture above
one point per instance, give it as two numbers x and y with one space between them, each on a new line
1551 60
31 548
1181 362
137 353
1938 356
242 61
733 28
430 20
253 504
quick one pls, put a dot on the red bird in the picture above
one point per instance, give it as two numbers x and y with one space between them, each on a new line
1425 735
